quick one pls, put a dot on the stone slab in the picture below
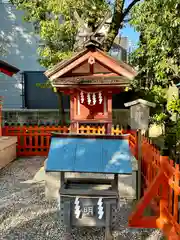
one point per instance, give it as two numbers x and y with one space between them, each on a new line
7 150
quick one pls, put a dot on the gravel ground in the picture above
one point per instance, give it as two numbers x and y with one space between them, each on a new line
26 214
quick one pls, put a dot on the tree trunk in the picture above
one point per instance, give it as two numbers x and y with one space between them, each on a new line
117 23
61 108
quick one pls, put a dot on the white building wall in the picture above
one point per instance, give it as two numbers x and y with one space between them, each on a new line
19 45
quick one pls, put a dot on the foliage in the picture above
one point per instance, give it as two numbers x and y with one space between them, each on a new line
172 138
174 106
55 24
158 95
57 28
159 118
3 44
158 54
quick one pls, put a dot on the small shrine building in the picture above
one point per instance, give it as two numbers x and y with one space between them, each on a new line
90 78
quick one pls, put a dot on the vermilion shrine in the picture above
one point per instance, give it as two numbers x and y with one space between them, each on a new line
90 78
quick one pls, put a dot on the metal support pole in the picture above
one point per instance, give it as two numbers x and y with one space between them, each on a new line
115 182
108 234
62 179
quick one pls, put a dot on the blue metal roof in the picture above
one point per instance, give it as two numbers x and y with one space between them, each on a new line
98 155
178 85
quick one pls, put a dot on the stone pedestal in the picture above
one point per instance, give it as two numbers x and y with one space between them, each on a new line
7 150
139 113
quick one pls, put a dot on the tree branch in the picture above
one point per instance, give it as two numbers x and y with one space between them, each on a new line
115 24
117 21
131 5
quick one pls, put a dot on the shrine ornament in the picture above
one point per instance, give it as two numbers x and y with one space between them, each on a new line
92 98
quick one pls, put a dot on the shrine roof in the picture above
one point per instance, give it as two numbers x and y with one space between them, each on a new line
119 67
64 63
8 69
140 101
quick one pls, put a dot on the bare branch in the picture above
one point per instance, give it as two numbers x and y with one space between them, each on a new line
131 5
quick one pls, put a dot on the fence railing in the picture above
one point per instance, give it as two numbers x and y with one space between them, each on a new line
35 140
160 190
32 140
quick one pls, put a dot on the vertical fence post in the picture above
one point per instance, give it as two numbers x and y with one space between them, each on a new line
163 204
74 127
164 190
139 156
108 128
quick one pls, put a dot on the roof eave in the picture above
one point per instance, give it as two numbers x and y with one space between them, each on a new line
49 73
140 101
8 69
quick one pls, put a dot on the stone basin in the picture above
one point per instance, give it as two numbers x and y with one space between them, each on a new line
7 150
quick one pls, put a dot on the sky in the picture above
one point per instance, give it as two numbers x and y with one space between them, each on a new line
132 35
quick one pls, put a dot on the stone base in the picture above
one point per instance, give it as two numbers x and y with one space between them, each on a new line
7 150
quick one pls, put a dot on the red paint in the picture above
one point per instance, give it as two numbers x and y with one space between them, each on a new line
159 179
6 72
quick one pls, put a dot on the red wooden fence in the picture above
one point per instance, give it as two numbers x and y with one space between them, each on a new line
160 190
35 140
